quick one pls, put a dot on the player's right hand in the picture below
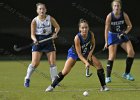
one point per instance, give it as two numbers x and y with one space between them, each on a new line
36 42
105 46
87 65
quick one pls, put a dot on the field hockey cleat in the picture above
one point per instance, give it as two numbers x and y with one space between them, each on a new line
104 88
108 79
128 76
49 89
27 83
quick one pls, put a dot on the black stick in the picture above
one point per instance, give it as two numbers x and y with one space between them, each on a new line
16 48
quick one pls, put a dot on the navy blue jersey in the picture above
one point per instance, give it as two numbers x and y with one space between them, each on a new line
86 45
117 24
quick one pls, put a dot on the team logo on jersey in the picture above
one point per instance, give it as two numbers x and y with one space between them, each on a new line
117 22
44 25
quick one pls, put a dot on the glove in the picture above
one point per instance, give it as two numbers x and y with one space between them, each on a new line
122 36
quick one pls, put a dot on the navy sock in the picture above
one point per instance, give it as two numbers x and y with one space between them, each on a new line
101 76
58 78
129 62
109 67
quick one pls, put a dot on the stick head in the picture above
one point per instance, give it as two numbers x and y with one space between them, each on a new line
16 48
87 73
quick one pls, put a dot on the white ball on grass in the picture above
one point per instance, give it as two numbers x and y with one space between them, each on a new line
85 93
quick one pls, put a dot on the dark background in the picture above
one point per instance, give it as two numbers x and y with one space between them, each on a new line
16 16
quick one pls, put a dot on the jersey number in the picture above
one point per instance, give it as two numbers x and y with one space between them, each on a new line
84 50
118 28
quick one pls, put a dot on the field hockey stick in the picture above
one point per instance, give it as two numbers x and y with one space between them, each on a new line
104 49
16 48
87 72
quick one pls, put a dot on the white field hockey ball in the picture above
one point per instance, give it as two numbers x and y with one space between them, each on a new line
85 93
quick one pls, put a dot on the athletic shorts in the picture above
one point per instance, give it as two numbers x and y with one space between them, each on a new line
46 46
73 55
113 38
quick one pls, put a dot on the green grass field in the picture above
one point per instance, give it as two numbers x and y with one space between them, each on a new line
12 75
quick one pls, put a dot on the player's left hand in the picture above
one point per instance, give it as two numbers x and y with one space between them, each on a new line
54 36
122 36
87 65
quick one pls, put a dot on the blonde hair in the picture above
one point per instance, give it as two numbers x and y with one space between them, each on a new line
38 4
119 1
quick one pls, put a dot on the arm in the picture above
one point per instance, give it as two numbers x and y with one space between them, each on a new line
107 28
128 23
33 28
55 25
93 45
78 50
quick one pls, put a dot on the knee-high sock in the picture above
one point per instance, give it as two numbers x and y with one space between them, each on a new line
53 72
58 79
30 70
109 68
129 62
101 76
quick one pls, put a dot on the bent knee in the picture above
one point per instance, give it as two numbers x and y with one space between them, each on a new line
131 53
112 56
98 65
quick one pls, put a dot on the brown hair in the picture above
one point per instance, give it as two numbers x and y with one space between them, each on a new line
82 20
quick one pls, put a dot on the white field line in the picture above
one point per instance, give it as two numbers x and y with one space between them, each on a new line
78 90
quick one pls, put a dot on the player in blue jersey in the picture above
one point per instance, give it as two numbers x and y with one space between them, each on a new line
41 28
84 44
117 27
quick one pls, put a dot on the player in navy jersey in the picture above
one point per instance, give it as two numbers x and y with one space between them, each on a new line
41 28
117 27
84 44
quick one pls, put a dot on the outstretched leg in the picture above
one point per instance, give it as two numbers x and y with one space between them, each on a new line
67 68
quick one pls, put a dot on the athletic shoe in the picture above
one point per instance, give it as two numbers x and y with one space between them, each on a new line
104 88
108 79
27 83
49 89
128 76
